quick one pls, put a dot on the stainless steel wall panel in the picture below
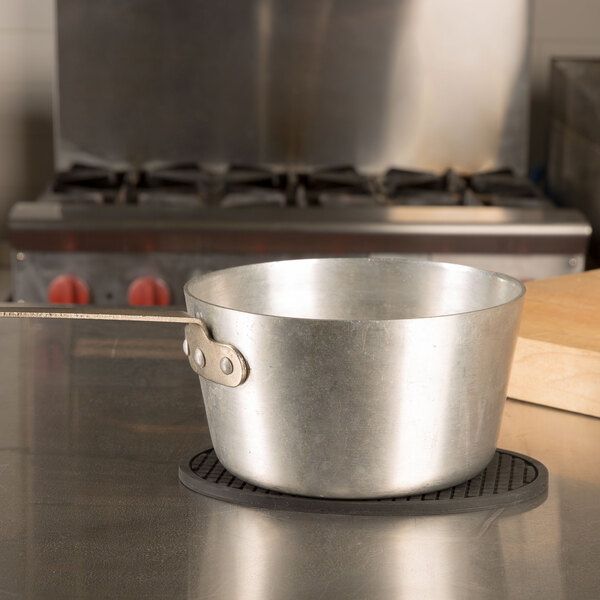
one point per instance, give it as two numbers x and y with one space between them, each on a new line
413 83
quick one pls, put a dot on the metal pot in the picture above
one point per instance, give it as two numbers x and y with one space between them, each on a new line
352 378
367 377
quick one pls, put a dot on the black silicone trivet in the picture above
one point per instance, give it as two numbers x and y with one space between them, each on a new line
508 480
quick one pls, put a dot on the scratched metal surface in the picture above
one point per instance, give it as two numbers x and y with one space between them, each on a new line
93 420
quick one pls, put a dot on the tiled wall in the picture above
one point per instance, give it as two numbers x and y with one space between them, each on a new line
26 69
560 28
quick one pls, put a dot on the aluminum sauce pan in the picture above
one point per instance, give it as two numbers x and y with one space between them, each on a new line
367 378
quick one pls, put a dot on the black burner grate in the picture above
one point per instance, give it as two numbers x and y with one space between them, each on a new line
509 479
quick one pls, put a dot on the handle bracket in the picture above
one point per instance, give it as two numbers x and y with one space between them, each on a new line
217 362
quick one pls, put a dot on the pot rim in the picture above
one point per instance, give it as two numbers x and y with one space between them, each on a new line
447 265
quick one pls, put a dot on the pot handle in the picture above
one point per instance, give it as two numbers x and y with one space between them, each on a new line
215 361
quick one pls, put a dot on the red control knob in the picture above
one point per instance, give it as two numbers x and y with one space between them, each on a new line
68 289
148 291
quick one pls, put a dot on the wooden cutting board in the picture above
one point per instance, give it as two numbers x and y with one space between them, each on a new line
557 359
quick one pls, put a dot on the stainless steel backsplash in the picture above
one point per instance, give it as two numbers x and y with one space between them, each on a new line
425 84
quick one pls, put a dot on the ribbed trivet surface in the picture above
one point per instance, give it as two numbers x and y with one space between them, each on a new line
508 480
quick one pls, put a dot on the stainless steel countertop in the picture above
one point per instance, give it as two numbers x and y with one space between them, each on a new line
94 418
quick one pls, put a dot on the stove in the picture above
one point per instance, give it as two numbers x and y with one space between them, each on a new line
116 237
314 134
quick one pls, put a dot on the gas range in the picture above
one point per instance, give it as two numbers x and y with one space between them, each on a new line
116 237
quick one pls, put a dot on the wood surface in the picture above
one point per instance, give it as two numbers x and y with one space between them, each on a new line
557 359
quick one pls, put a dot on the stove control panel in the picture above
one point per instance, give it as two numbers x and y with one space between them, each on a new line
68 289
115 278
148 291
157 279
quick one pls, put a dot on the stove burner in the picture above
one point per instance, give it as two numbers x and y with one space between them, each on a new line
90 185
338 186
253 176
84 176
398 181
503 182
181 184
508 480
186 176
504 188
423 189
189 184
243 186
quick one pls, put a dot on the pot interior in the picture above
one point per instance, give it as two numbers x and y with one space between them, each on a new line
355 289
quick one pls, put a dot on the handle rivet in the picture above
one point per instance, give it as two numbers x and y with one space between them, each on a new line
226 366
199 358
186 347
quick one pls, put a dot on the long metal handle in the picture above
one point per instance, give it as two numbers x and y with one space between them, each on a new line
217 362
95 313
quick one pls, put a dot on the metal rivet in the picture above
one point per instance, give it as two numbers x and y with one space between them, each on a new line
186 348
226 366
20 255
573 261
199 357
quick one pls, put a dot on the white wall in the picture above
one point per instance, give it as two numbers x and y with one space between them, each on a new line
26 67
